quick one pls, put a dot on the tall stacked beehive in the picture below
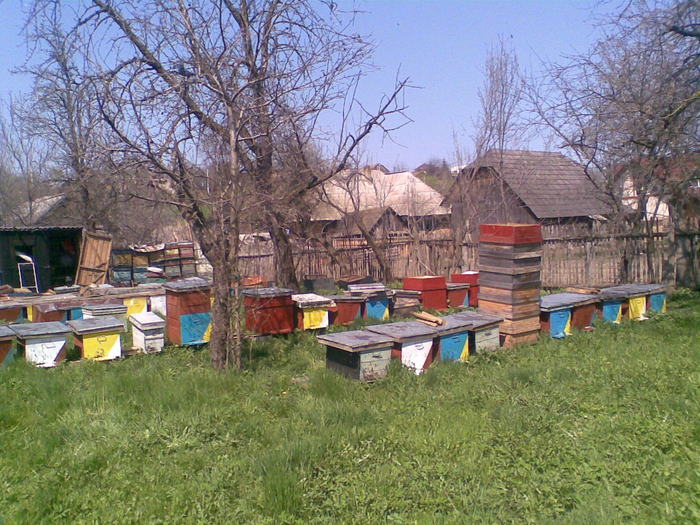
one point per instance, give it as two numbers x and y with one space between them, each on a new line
510 260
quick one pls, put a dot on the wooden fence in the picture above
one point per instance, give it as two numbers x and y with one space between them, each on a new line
565 262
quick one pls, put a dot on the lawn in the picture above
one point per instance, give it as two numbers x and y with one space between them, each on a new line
602 427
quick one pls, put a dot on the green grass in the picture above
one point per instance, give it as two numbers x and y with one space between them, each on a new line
602 427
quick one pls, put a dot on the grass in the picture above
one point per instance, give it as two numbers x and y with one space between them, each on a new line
601 427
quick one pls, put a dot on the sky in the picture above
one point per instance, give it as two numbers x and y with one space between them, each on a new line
440 45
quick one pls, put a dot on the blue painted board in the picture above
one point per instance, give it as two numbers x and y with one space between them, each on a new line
76 313
453 347
193 328
378 308
612 311
657 302
560 323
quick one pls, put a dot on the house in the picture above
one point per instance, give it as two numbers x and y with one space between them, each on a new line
394 202
535 187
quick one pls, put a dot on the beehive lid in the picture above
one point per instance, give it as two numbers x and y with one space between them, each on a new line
6 332
310 300
403 331
346 298
458 286
559 301
356 340
624 291
453 324
146 321
5 305
267 292
40 329
96 324
479 319
188 285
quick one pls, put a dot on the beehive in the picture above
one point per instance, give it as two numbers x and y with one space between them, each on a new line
453 338
312 311
433 289
347 310
269 310
484 331
92 311
188 303
470 277
10 312
98 338
358 354
509 278
632 298
562 311
44 344
413 343
7 345
148 332
458 295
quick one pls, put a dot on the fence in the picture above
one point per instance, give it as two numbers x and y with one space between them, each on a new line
595 260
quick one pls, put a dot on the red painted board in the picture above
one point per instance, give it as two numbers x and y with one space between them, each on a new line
469 278
269 315
456 298
582 316
434 299
510 233
347 312
427 282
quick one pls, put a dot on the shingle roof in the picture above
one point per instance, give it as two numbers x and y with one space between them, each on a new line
550 184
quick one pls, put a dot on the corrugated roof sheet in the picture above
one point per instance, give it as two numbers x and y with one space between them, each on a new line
549 183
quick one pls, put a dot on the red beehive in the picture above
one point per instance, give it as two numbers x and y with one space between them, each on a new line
269 310
458 295
347 309
188 306
472 279
510 233
433 290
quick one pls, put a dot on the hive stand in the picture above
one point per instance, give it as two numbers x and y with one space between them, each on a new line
413 343
358 354
44 344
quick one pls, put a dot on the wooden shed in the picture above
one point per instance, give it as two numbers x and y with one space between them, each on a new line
54 250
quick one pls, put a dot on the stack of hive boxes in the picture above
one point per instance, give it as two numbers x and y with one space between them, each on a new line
510 260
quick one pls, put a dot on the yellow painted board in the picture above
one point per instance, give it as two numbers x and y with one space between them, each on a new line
637 308
102 345
315 318
136 305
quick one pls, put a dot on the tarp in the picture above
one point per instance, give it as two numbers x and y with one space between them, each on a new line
657 302
638 307
612 312
560 323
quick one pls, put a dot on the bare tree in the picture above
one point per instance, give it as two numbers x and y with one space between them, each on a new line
212 99
629 106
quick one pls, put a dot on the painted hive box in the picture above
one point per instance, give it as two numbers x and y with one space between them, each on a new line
44 344
358 354
313 311
453 338
269 310
98 338
7 345
148 332
413 343
188 303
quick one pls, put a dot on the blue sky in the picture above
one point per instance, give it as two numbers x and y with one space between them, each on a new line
440 45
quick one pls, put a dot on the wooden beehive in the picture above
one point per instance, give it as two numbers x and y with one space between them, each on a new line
413 343
10 312
7 345
510 258
458 295
98 338
358 354
269 310
188 304
347 310
92 311
561 312
44 344
484 331
433 290
471 278
376 297
312 311
453 338
148 332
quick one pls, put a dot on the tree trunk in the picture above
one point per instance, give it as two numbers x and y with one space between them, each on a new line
225 343
285 271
